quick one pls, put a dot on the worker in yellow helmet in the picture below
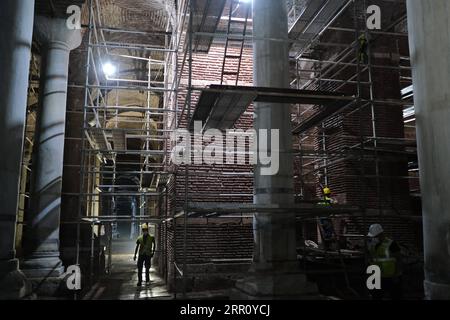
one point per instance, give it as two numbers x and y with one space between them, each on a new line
327 200
326 226
327 195
145 245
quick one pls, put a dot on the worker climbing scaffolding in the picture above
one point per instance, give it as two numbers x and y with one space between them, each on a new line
326 228
363 47
327 198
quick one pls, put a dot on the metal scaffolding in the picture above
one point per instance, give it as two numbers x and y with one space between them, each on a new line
113 169
323 75
129 112
348 69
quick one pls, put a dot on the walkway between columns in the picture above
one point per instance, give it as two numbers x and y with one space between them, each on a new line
121 283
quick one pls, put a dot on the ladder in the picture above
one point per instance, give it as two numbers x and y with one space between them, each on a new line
231 64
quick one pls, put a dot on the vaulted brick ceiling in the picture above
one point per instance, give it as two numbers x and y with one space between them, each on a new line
143 15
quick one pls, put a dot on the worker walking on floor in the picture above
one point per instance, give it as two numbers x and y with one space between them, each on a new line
146 245
386 254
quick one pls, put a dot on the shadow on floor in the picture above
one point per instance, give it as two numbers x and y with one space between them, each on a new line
121 284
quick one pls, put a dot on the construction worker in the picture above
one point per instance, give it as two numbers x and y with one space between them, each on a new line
327 199
146 246
325 224
363 56
327 233
386 254
327 195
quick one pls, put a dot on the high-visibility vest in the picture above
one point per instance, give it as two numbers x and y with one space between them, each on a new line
145 246
381 256
326 201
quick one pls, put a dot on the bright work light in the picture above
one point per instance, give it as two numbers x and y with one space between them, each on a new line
109 69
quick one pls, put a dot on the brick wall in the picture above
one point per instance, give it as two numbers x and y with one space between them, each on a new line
390 191
210 239
208 182
217 240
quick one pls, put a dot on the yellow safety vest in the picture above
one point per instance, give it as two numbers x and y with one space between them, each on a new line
145 247
381 256
326 201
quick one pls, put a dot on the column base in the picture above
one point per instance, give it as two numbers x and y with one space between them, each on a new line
50 287
271 285
436 291
46 275
13 283
43 267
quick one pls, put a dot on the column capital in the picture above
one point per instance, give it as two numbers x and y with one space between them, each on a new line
54 31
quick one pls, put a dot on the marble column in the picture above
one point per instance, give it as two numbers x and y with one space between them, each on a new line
16 30
429 42
275 271
275 233
42 232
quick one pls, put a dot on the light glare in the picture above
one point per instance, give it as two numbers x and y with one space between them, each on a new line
109 69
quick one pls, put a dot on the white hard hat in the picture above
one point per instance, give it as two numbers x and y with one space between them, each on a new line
375 230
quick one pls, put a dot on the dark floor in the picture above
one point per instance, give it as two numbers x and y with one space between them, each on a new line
121 284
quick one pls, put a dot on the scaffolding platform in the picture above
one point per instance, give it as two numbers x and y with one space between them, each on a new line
306 209
220 106
206 18
326 111
108 219
310 21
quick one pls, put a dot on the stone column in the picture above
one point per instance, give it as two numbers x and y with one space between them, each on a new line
429 41
275 265
16 30
276 233
42 232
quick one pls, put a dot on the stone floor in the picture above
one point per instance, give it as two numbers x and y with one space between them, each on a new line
121 284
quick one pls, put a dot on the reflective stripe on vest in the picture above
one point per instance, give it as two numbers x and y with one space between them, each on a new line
382 258
325 202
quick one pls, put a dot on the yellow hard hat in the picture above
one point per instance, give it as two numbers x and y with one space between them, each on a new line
326 190
144 226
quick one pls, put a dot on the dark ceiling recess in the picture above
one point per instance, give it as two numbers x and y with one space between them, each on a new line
55 8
